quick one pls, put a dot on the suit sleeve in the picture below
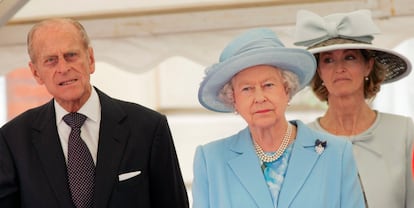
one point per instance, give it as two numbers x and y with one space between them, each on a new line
200 182
8 181
352 195
166 182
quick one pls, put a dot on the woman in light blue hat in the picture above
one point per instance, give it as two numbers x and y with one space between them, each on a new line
272 162
349 74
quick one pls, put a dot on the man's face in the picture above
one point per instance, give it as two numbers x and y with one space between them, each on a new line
62 63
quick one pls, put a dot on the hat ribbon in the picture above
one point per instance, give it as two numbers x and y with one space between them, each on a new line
312 29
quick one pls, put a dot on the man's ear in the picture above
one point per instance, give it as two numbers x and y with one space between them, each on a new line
35 73
91 57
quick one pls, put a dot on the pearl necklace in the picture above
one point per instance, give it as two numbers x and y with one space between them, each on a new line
274 156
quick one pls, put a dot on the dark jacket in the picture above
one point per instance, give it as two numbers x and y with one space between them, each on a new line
131 138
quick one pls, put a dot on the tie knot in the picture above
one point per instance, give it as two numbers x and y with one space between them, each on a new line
74 120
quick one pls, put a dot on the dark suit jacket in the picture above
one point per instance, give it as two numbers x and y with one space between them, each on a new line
131 138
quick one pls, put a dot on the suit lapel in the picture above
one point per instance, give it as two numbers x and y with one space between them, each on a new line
112 140
47 144
246 166
298 171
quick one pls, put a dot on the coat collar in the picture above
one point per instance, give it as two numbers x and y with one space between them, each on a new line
246 166
46 142
298 171
364 140
112 141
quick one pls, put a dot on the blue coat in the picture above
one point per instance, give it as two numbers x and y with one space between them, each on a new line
227 174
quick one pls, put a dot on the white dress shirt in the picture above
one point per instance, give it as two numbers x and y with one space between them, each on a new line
89 130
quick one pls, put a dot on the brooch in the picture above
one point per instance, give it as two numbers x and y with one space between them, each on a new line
320 146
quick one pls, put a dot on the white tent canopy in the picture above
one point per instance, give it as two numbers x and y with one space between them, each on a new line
138 35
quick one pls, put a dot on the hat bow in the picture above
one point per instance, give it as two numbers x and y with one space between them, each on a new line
312 29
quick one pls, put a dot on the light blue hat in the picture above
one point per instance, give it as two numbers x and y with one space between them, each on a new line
353 30
254 47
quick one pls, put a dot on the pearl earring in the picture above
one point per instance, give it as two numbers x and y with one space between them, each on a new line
366 78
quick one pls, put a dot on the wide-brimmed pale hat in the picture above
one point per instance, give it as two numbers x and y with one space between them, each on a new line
254 47
353 30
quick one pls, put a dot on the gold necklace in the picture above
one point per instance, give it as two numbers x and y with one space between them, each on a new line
274 156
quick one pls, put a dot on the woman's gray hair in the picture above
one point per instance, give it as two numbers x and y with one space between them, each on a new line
290 79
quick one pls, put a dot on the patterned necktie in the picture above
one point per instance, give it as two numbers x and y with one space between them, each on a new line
81 168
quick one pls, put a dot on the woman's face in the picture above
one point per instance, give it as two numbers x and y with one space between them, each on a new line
343 72
260 95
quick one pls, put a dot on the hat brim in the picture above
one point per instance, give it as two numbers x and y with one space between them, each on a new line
298 61
397 66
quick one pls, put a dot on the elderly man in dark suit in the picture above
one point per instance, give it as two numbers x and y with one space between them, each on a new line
83 148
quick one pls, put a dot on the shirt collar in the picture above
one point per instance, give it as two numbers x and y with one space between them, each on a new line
91 109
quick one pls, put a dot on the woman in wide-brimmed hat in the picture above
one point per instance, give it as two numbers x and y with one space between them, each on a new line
350 73
272 162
